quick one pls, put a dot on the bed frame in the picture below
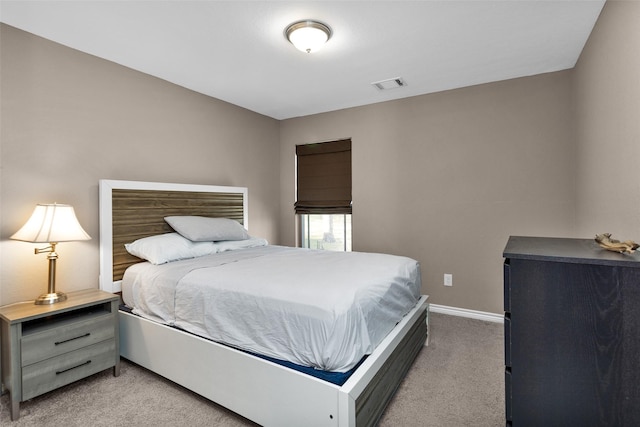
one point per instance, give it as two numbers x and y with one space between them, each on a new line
264 392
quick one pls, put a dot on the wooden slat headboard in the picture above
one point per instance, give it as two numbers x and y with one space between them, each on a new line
131 210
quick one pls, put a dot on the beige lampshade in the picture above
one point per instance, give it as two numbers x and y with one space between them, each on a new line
52 223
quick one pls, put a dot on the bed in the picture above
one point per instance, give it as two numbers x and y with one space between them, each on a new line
259 388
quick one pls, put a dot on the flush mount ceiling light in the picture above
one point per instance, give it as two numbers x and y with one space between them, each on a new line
308 36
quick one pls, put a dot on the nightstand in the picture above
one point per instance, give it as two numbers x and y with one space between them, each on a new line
48 346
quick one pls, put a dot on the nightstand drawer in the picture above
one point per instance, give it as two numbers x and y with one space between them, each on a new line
64 369
63 337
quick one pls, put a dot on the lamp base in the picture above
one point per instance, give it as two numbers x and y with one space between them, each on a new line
46 299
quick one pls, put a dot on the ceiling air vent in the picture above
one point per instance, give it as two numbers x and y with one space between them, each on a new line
390 83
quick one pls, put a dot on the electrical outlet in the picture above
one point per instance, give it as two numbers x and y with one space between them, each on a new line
448 279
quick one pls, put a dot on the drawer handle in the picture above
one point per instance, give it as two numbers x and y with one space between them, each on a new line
71 339
73 367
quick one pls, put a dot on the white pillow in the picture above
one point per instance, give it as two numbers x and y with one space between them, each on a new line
251 242
164 248
204 229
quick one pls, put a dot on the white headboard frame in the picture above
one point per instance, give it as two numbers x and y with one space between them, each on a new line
106 188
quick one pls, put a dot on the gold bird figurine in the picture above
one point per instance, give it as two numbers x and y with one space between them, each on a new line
605 241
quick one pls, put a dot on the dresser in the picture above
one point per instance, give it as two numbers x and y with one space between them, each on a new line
572 334
48 346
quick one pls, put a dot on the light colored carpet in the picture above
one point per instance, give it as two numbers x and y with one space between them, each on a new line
458 380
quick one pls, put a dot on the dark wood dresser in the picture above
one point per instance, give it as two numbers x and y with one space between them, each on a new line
572 334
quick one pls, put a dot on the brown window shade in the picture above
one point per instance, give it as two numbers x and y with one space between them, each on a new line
324 178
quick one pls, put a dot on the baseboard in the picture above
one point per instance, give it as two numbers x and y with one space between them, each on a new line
463 312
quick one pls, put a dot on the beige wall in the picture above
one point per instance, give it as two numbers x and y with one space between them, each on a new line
607 86
446 178
69 119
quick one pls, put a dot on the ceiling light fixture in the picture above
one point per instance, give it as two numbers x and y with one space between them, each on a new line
308 36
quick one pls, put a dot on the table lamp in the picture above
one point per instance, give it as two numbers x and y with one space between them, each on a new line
51 223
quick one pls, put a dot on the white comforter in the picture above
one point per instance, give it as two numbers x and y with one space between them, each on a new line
314 308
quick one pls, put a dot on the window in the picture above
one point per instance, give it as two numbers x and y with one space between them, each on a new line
328 232
323 202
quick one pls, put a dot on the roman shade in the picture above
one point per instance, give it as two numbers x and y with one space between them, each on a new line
324 178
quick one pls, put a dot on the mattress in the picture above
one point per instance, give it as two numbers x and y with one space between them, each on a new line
321 309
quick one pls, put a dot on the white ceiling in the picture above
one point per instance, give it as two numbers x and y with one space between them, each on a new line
236 50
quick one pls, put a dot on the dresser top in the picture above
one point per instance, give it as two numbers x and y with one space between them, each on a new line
578 251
